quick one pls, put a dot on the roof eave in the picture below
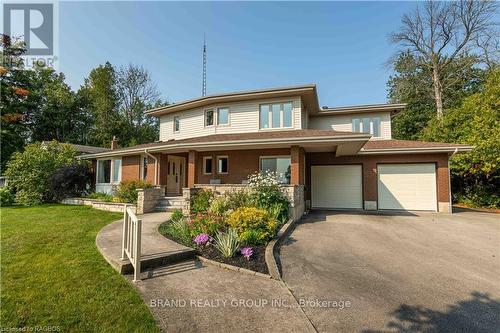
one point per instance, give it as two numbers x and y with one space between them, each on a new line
233 143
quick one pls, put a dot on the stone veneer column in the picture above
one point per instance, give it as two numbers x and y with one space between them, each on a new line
191 176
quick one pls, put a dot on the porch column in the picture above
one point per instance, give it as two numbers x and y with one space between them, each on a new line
297 176
191 175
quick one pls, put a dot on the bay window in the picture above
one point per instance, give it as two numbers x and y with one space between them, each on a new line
222 116
281 165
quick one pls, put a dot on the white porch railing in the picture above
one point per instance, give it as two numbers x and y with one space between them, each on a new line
131 241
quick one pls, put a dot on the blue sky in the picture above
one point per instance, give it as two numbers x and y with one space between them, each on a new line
340 46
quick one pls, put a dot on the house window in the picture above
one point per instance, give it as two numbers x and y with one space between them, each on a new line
356 125
280 165
222 166
177 124
222 116
209 117
279 115
367 125
144 168
117 165
103 171
264 116
207 165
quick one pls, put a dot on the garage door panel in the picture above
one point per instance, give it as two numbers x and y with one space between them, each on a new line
337 186
407 186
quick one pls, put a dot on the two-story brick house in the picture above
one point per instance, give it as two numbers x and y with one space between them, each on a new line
342 158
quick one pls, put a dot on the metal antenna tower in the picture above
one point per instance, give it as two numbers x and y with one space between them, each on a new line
204 84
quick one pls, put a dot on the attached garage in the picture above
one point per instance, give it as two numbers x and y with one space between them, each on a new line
337 186
407 186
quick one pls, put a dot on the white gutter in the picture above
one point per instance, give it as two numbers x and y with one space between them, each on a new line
195 145
156 165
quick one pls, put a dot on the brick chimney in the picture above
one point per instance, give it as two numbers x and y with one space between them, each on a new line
114 143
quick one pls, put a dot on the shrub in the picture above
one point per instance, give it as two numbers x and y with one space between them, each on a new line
177 215
178 230
251 218
239 198
205 223
200 202
30 171
70 181
219 206
227 243
100 196
127 190
267 194
6 197
252 237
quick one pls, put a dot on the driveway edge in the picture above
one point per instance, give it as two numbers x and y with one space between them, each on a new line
271 256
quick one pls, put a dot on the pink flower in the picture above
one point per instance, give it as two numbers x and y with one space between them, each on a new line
247 252
201 239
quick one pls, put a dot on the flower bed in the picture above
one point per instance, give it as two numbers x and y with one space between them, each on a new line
233 228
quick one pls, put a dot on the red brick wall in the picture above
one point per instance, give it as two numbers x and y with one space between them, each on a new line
130 167
241 163
369 163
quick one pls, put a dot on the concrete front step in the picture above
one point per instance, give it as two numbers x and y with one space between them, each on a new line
169 204
149 262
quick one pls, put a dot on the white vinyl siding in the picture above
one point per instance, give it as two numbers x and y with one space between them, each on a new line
345 122
337 186
407 186
243 118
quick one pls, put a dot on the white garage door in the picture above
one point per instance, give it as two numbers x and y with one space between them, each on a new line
407 186
337 186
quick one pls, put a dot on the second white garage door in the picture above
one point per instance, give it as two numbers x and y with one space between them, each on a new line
337 186
407 186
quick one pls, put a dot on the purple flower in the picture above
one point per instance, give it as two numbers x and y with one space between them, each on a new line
247 252
201 239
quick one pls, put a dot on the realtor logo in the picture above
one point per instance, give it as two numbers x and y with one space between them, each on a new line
35 24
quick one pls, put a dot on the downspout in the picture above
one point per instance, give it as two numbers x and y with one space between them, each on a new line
156 165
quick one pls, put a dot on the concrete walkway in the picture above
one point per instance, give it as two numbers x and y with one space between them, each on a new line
185 296
156 250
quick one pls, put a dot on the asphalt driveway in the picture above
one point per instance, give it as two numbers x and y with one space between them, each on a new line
407 273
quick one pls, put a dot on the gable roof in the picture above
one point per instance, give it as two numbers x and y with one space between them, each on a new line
307 92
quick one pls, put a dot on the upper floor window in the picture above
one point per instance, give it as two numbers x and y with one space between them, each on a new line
177 124
222 116
276 115
209 117
367 125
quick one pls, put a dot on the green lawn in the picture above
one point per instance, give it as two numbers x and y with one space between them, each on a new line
53 275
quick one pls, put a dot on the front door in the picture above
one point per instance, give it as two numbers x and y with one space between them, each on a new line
175 175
